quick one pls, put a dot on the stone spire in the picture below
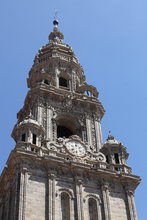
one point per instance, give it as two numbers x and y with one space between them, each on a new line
56 35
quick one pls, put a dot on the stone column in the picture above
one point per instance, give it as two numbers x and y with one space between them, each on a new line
106 202
79 197
84 134
54 127
39 118
131 205
37 140
51 185
57 74
98 135
89 136
29 136
22 194
49 129
73 81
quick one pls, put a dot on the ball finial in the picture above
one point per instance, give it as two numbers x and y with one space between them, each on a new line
55 23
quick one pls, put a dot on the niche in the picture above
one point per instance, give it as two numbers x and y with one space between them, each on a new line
65 206
93 215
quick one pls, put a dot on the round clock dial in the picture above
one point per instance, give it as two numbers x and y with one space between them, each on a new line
76 148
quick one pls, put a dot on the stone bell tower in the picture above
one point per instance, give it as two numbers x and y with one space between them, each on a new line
60 169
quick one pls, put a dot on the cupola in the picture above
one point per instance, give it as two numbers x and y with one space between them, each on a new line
116 154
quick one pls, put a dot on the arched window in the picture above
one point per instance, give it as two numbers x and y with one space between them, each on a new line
116 156
63 132
87 92
65 206
46 81
23 137
63 82
93 215
34 139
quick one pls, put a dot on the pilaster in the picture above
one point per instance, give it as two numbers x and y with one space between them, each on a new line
49 129
39 118
106 201
98 135
22 194
131 204
51 185
79 197
89 136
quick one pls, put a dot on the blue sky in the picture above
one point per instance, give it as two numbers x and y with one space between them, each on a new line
109 38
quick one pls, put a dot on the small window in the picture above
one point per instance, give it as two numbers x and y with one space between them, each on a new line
46 81
23 137
34 138
87 92
63 82
116 158
32 149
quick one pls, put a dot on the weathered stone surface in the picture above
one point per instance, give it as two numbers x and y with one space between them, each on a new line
59 168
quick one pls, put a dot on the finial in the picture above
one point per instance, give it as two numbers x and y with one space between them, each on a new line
110 137
56 35
55 17
55 22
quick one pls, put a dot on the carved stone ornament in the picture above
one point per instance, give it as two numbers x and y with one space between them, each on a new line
99 157
76 148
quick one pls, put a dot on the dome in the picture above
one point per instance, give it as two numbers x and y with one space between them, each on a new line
112 140
112 143
28 121
55 53
56 48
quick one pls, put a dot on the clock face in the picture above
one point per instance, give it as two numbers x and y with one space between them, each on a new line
76 148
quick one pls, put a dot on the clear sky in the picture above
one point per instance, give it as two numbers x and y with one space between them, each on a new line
110 39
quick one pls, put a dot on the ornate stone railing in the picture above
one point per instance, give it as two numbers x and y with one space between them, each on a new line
94 163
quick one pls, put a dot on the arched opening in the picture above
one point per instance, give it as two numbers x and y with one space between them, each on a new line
63 82
63 131
34 138
65 206
87 92
23 137
46 81
67 125
116 156
93 215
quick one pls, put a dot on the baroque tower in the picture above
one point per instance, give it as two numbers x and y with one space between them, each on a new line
60 169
